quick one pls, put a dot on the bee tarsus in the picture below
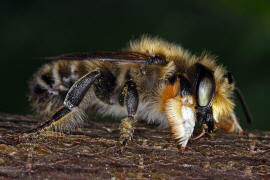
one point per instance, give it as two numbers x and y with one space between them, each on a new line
131 100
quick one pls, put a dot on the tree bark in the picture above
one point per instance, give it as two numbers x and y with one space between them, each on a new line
93 152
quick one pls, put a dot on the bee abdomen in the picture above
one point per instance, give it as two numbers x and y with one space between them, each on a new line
51 84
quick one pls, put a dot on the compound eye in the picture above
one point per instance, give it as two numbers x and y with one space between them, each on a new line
205 91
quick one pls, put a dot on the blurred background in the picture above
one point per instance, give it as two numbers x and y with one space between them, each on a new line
238 32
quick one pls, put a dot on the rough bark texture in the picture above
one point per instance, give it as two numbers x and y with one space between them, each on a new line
92 152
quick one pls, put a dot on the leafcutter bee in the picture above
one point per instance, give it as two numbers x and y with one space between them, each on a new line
152 79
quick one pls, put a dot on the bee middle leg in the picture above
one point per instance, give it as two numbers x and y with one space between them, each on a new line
71 113
130 98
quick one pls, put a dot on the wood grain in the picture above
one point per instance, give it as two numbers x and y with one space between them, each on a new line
92 152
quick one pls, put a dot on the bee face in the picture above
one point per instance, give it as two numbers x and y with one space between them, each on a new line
192 94
205 86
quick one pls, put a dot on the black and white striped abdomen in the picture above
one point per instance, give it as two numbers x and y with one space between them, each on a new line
51 84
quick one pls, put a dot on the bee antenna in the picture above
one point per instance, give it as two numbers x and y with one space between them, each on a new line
244 105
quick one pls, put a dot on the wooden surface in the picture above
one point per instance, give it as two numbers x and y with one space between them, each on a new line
92 152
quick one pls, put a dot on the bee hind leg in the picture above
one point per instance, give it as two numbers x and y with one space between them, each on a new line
71 113
128 97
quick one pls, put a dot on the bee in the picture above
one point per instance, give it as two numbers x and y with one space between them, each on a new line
151 79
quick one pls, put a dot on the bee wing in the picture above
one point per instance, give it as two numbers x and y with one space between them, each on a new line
129 57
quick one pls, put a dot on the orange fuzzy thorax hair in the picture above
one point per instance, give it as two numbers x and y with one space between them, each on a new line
169 92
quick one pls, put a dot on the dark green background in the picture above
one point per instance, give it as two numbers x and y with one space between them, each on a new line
238 32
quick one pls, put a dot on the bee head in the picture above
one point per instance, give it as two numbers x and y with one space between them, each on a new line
193 91
211 89
203 88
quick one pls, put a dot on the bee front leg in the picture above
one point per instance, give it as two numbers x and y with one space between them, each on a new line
71 113
181 117
130 98
179 108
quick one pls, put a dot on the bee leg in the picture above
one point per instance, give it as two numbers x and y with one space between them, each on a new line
71 113
180 110
130 98
204 128
230 124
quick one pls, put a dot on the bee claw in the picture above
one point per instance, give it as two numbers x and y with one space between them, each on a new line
211 134
181 148
122 148
123 144
199 136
